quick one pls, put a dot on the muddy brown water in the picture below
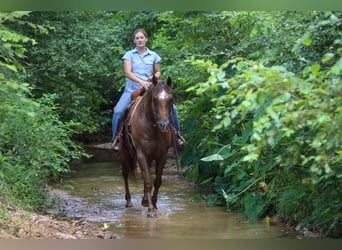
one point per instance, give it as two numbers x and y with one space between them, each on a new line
98 196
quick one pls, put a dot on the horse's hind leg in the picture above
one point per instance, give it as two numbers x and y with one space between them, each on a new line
125 174
125 166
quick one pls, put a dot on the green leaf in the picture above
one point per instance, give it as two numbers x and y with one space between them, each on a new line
315 68
327 57
249 92
229 168
225 196
213 157
211 200
250 157
11 67
192 173
205 181
254 206
307 41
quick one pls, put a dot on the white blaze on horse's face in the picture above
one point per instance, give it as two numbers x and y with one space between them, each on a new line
164 95
164 99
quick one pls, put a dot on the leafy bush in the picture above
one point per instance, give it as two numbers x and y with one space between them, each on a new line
267 138
35 146
273 142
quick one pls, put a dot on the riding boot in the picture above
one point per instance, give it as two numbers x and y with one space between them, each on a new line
115 144
180 139
116 124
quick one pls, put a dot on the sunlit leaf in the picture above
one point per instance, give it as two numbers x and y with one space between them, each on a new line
315 68
248 94
213 157
307 41
250 157
327 57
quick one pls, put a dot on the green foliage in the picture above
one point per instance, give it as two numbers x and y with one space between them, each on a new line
12 43
75 60
274 137
35 146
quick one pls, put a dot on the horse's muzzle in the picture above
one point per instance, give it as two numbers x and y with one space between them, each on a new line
163 125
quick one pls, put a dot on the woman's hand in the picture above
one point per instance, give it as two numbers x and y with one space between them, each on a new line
145 84
151 78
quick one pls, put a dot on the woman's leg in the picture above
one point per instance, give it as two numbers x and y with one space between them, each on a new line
175 122
174 118
119 111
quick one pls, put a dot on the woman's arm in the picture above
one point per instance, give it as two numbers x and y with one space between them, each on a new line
156 69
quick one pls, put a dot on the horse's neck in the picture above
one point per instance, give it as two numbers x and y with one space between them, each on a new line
145 109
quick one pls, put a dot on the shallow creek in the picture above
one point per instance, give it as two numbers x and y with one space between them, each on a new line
98 196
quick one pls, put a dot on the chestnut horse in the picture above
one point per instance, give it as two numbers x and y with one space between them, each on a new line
146 138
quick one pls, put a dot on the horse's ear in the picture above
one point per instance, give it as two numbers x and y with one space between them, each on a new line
154 80
168 81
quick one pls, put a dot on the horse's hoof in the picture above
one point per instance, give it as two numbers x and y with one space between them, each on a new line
144 203
129 204
152 214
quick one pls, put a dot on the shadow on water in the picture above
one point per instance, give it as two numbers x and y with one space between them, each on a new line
98 196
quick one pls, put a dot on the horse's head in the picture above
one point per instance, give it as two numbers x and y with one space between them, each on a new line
162 101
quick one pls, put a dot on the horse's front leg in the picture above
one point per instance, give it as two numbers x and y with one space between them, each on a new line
151 213
158 180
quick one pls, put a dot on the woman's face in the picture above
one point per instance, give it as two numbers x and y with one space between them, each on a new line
140 40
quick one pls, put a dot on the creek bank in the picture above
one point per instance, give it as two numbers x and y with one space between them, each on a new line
19 224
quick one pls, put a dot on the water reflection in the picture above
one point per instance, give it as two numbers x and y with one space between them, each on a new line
98 196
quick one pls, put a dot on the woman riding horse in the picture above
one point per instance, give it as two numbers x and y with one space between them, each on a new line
139 64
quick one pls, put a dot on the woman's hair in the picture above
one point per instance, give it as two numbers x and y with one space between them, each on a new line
139 30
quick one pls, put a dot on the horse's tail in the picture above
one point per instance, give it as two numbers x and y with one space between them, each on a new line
132 172
127 151
128 165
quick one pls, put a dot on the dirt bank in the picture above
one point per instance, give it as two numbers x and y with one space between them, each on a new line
19 224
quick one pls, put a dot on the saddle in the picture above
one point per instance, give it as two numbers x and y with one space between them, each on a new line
137 93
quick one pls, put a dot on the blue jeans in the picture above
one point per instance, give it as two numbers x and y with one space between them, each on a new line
120 110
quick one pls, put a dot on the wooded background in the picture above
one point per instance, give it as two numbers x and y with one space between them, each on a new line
259 96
